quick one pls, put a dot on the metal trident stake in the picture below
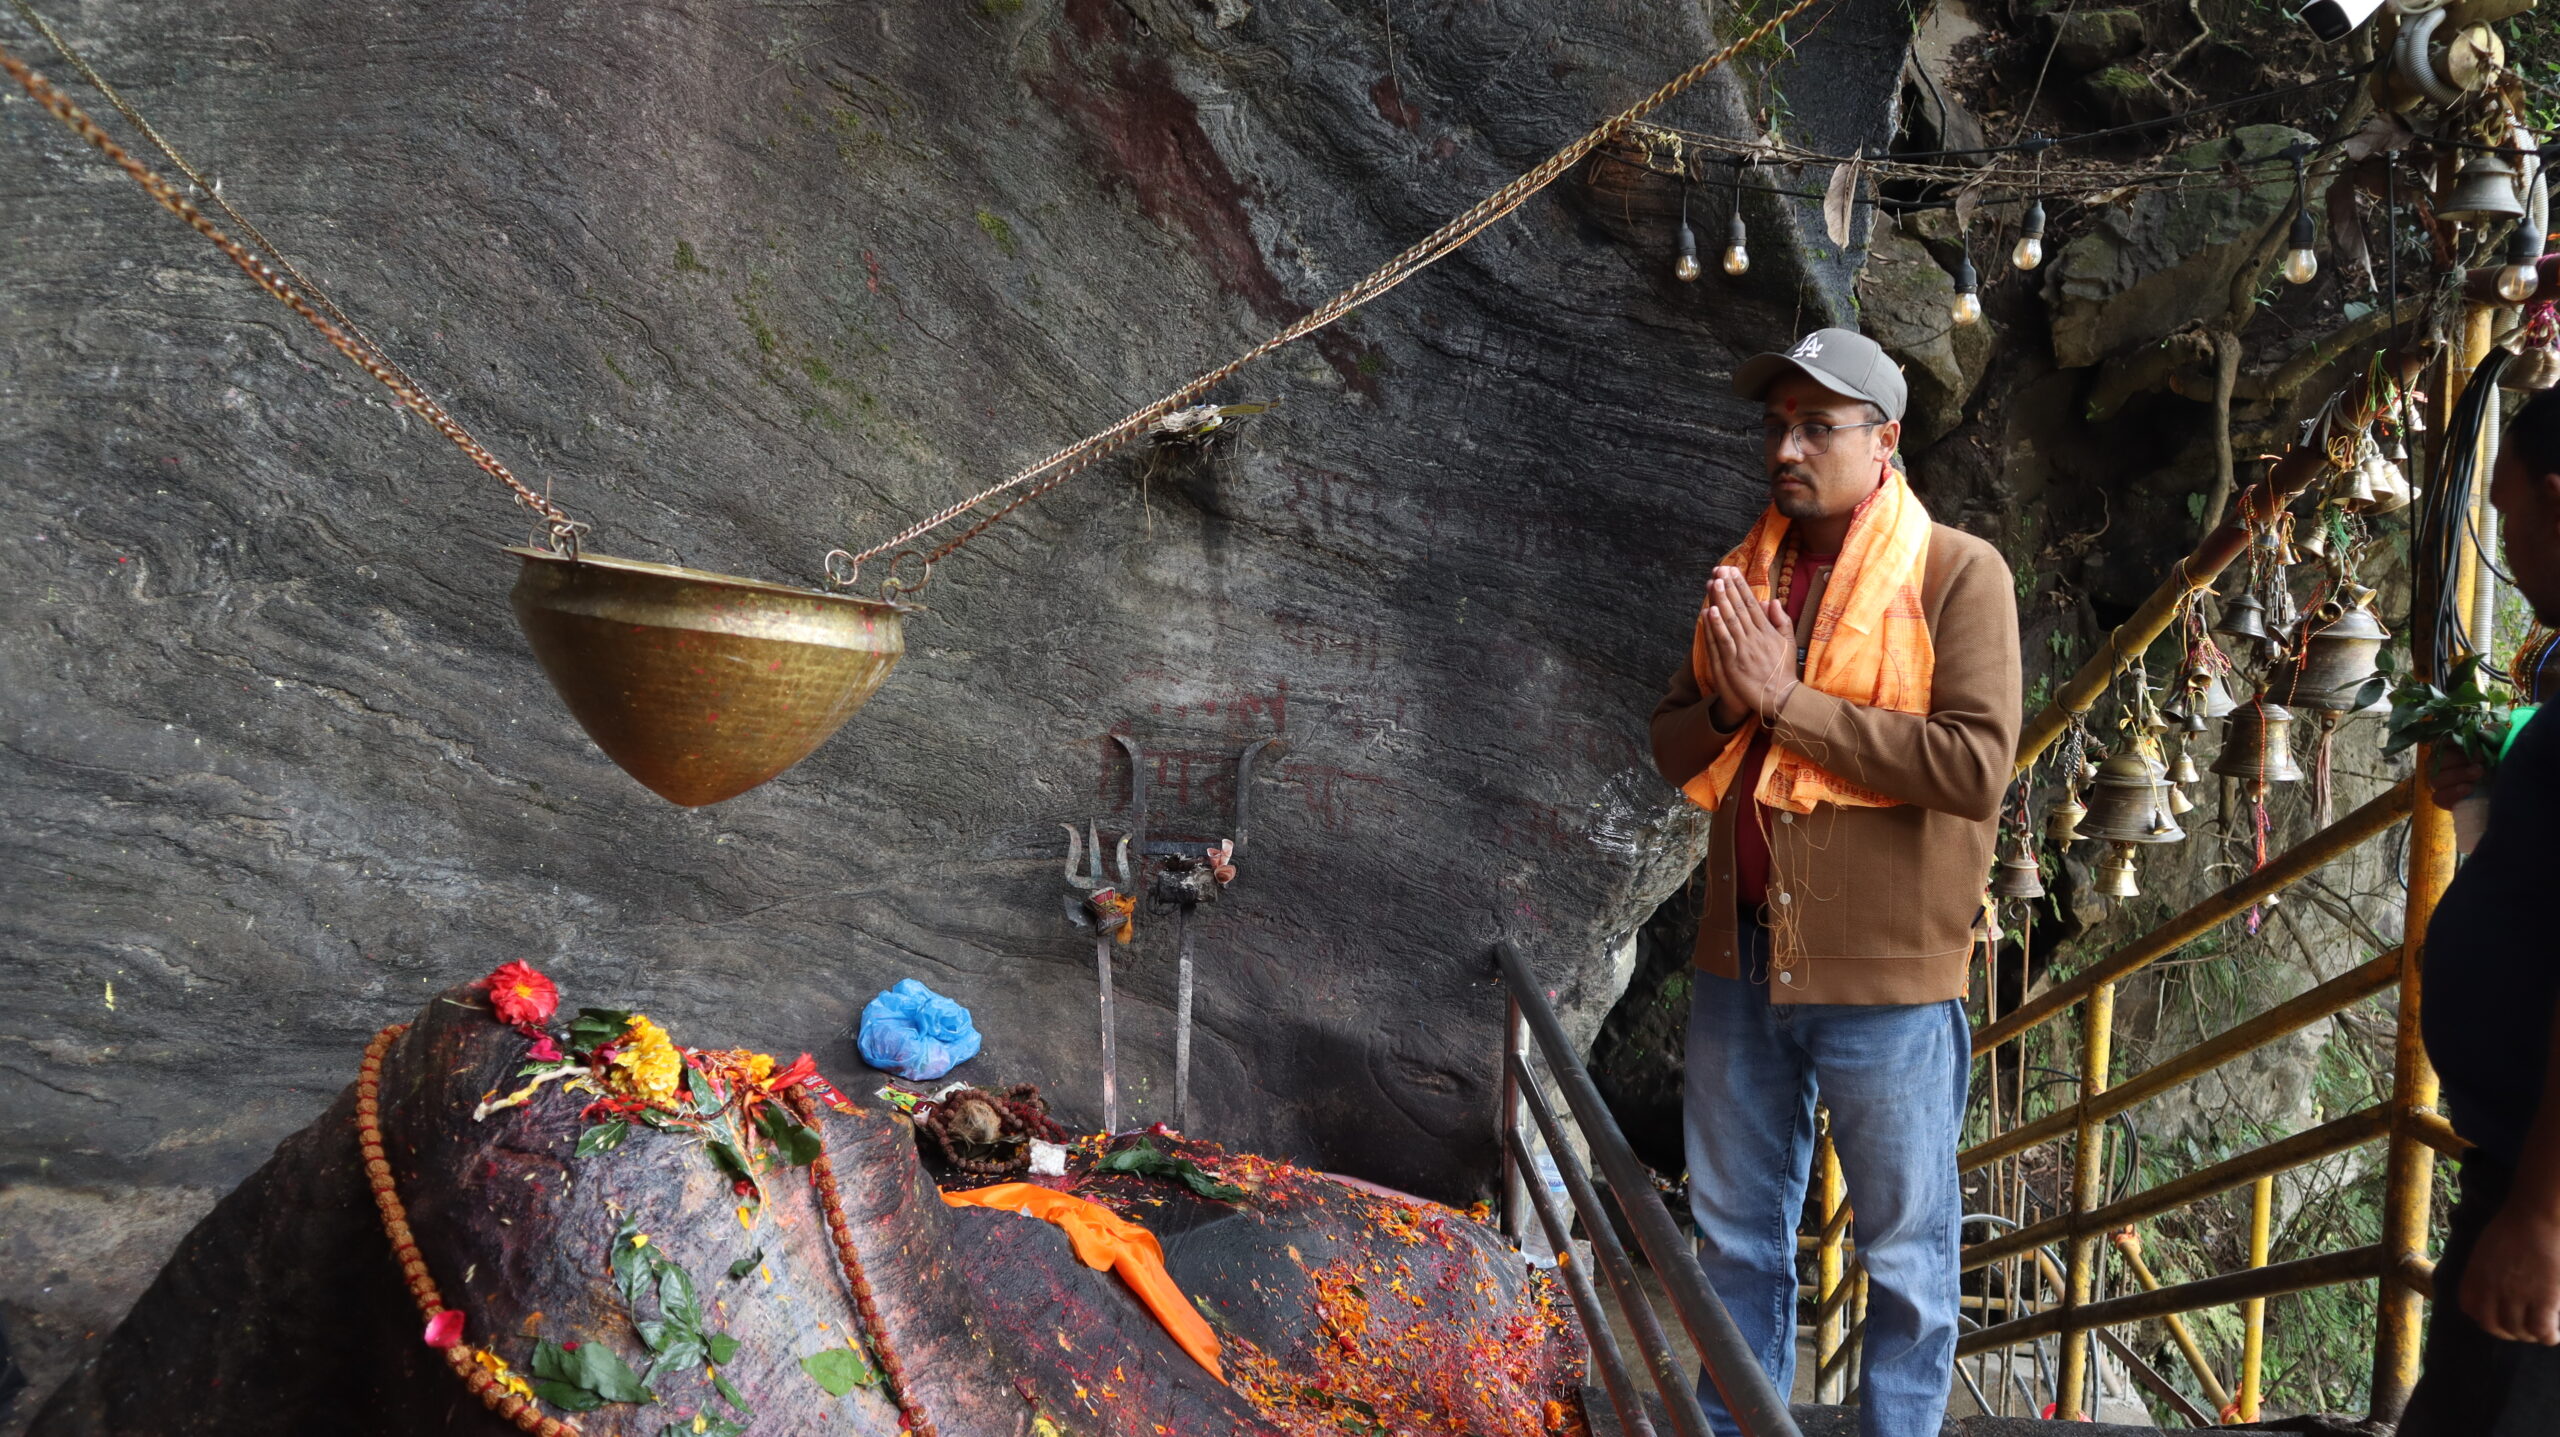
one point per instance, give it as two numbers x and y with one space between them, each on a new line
1184 881
1110 912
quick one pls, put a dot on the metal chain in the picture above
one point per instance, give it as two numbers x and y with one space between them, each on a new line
309 286
844 568
563 530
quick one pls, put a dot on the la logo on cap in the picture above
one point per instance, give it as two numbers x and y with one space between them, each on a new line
1809 347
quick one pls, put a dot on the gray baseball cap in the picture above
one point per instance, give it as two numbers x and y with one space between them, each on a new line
1840 360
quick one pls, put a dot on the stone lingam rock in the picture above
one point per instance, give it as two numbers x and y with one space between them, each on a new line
677 1275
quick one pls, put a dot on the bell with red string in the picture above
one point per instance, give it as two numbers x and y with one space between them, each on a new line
2257 744
2016 876
2337 661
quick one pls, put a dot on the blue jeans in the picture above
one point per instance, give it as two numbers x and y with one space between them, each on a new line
1894 1079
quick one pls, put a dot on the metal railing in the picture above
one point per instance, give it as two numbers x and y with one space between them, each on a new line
1758 1408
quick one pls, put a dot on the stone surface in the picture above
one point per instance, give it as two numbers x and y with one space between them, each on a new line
2161 259
2085 40
742 285
1903 299
283 1310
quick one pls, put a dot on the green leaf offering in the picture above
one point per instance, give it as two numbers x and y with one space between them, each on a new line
743 1266
798 1145
722 1347
730 1394
839 1370
595 1026
705 1101
1147 1160
586 1379
603 1137
731 1165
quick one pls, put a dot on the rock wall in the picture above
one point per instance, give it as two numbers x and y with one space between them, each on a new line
743 284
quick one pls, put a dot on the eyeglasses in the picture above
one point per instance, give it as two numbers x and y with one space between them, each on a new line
1810 437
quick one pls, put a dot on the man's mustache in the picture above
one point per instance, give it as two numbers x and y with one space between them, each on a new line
1790 471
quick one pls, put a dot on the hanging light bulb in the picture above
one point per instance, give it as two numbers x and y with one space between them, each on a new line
1737 255
1686 268
2523 275
2030 250
2300 264
1967 308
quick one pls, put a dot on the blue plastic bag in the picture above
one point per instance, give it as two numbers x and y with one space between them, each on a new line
916 1033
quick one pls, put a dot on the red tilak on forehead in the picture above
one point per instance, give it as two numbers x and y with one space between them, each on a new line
1791 406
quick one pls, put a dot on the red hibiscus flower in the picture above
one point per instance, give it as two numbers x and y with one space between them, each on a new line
520 995
444 1329
802 1069
544 1050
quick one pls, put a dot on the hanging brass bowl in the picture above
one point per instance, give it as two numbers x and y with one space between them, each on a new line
2257 744
700 685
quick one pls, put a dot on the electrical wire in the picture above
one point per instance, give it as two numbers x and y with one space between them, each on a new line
2444 522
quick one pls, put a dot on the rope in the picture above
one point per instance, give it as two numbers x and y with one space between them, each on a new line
564 530
843 568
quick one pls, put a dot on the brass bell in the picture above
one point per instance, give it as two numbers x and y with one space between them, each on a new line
2016 876
2179 803
2337 658
2536 368
2208 698
2257 744
2315 545
2063 824
2391 485
2129 803
2184 770
2242 617
2484 190
2354 490
2116 875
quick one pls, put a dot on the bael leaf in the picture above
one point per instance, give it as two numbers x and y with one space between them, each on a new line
606 1375
797 1144
653 1335
602 1138
746 1264
705 1101
550 1362
677 1301
726 1158
634 1265
566 1397
595 1026
839 1370
731 1395
683 1354
722 1345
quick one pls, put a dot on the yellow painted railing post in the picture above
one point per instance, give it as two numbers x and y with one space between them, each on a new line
2129 1243
2253 1313
2088 1180
2410 1173
1828 1267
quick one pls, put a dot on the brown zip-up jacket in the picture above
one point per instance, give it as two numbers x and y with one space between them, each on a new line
1888 897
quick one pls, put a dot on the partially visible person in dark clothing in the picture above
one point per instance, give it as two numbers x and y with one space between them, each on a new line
2492 986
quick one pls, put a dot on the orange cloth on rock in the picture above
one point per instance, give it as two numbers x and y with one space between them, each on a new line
1870 644
1104 1240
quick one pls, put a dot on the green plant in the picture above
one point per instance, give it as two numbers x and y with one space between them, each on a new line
2467 715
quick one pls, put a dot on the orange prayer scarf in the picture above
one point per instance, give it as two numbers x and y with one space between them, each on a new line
1870 644
1105 1240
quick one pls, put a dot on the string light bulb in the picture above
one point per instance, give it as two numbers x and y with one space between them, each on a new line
2030 250
2523 274
2300 263
1686 268
1737 255
1967 308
